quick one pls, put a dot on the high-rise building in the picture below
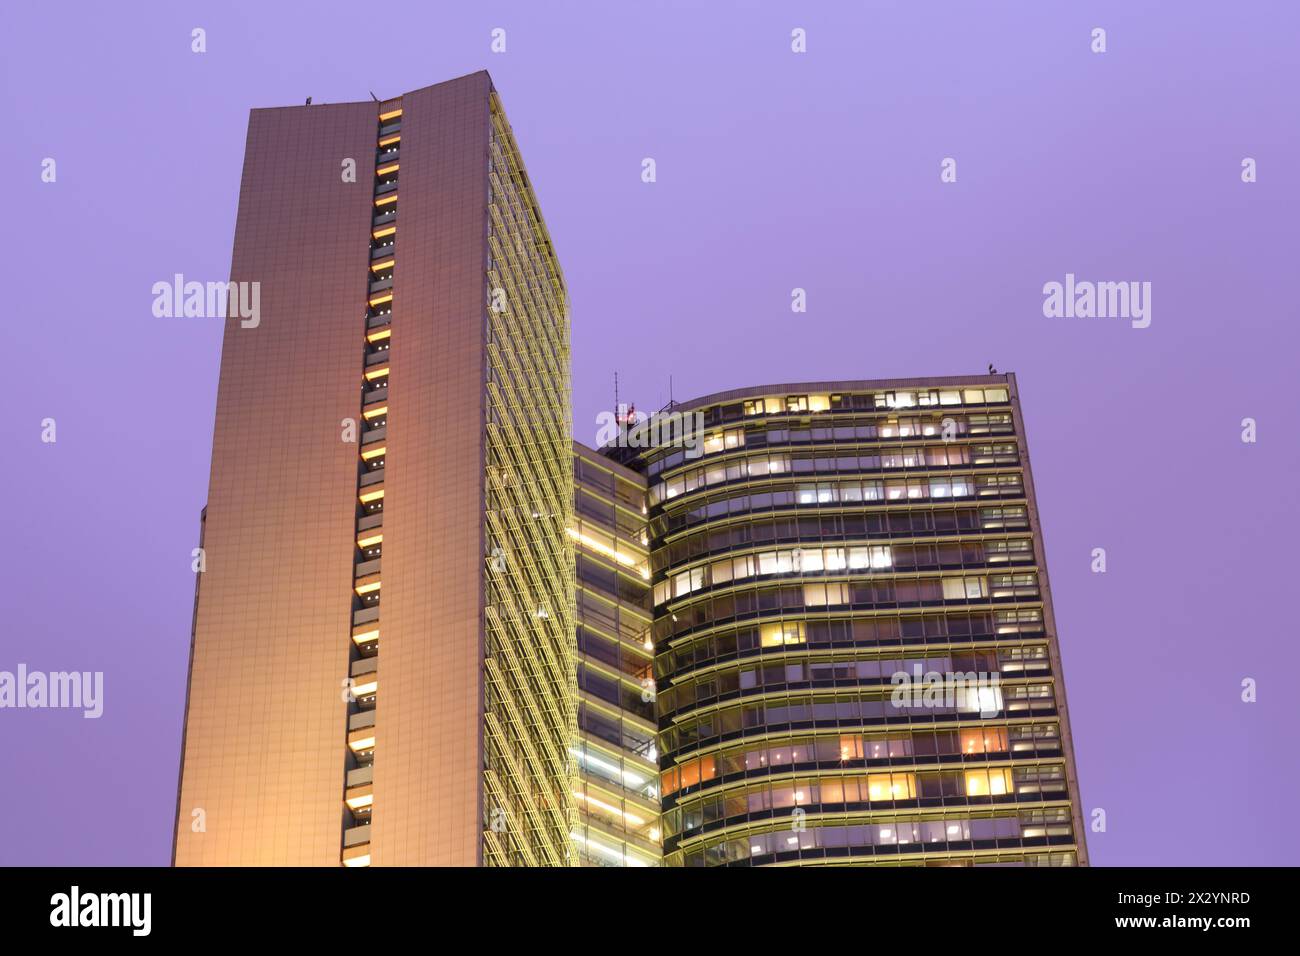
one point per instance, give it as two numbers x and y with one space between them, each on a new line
382 667
855 651
798 624
618 796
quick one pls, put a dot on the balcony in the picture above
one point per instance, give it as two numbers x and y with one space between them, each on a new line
381 285
375 477
375 434
370 521
356 836
357 855
361 775
386 187
360 799
366 686
365 633
384 218
361 720
366 615
362 740
377 357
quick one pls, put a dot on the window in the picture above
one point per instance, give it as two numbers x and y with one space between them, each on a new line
891 786
782 632
980 740
988 783
956 589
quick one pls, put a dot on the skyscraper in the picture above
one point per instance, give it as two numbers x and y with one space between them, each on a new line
382 666
856 654
790 625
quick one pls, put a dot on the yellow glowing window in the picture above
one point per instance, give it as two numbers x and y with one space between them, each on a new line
375 300
368 586
391 114
391 139
382 264
371 494
378 335
385 200
365 635
370 539
357 855
366 686
379 371
985 783
376 412
385 170
782 632
357 800
370 453
610 811
362 739
891 786
383 231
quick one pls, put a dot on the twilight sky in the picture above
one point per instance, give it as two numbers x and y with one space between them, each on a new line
775 171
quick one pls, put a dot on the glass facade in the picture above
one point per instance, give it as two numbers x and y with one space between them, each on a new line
855 653
530 714
618 788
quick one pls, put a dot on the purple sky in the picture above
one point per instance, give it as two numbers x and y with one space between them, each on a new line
775 170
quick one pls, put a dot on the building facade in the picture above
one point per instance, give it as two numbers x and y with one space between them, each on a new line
382 665
618 792
855 652
804 624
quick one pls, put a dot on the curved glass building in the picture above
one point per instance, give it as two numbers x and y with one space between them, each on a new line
855 655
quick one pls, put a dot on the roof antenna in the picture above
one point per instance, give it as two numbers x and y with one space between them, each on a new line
372 95
309 101
670 392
